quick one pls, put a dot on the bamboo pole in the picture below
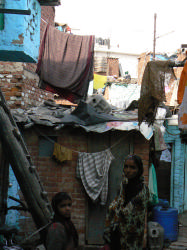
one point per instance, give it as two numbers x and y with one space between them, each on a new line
25 173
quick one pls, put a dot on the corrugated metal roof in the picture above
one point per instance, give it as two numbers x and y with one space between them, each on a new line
49 2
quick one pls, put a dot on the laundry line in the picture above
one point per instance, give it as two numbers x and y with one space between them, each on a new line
52 141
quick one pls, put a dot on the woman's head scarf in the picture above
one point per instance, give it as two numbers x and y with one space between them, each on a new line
138 161
130 203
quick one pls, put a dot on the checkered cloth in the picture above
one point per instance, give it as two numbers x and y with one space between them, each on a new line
93 169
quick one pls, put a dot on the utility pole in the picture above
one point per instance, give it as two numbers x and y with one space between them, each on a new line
156 37
154 40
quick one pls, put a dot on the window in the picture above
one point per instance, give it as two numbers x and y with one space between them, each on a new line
46 146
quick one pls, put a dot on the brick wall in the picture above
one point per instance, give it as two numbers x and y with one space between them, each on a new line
181 56
141 148
18 81
142 62
62 176
113 66
20 87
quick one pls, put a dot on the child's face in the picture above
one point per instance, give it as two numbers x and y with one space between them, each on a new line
64 208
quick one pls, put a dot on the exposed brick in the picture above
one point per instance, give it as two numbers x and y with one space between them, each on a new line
57 177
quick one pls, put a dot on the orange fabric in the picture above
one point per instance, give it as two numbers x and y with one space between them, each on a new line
182 114
182 84
183 119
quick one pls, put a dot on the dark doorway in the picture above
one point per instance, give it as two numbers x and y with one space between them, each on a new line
119 144
163 173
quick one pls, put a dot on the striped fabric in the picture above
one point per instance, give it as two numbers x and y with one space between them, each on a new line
93 170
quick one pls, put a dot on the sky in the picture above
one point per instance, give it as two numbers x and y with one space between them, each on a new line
129 24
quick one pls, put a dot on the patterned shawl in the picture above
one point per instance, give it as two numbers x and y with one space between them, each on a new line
128 220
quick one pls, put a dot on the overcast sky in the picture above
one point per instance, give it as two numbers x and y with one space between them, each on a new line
129 23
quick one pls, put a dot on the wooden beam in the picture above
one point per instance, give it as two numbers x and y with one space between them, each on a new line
26 174
4 184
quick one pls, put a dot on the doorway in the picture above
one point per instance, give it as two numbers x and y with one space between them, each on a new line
120 145
163 173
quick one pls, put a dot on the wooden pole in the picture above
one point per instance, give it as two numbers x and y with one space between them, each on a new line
4 184
25 173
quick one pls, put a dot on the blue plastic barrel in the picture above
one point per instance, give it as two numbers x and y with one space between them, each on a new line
163 203
168 219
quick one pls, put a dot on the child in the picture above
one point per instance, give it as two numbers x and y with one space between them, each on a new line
62 234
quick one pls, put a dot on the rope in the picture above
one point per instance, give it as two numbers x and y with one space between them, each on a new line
52 141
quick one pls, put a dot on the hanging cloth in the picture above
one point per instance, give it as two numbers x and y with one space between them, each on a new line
93 169
65 64
182 84
153 89
182 99
153 185
61 153
182 114
99 81
159 139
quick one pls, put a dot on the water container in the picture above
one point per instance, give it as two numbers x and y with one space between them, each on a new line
163 203
168 219
155 235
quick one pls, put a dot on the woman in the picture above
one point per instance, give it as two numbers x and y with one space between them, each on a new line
62 234
125 220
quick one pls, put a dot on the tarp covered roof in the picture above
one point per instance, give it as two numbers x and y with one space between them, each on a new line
84 115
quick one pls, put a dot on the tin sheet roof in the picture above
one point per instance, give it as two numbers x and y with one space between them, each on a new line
84 115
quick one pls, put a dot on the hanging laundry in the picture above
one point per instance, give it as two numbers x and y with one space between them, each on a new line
182 99
61 153
99 81
65 64
166 155
153 190
182 84
93 170
153 89
182 114
159 139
